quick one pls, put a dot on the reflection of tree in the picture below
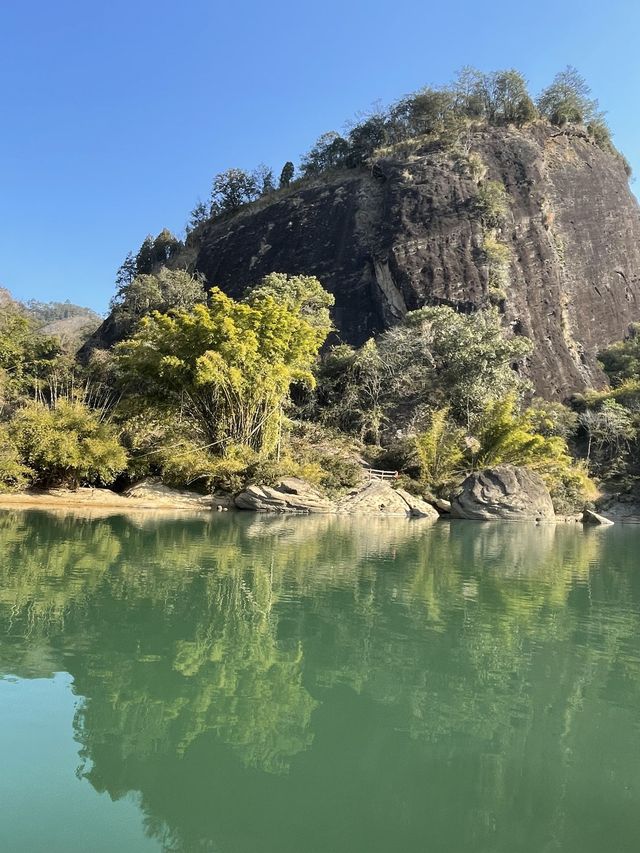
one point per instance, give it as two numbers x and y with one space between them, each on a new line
327 652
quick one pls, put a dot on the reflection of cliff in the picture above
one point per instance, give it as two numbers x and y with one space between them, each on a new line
281 668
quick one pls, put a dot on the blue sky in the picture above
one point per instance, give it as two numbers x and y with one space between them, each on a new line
115 116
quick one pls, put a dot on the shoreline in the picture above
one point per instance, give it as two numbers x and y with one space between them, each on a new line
104 499
170 501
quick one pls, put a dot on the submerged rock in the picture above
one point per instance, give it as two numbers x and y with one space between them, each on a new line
591 517
504 492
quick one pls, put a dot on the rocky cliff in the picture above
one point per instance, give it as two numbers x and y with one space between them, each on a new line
406 233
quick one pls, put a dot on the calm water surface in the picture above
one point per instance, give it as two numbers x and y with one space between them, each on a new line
250 684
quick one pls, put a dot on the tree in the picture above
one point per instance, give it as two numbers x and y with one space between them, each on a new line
438 357
621 360
567 100
145 258
302 294
511 101
329 152
440 449
349 393
26 356
154 252
230 365
232 189
263 177
126 271
286 175
365 138
162 291
504 435
13 473
423 112
610 431
67 444
198 215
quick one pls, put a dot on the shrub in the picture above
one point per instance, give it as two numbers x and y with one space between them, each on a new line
492 204
67 444
13 473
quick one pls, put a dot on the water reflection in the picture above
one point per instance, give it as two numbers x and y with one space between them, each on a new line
336 684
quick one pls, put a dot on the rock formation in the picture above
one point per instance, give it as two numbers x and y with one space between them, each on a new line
289 495
504 492
376 498
406 233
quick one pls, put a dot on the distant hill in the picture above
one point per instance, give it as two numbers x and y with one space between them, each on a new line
72 324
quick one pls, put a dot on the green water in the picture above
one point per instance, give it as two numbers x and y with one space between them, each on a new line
250 684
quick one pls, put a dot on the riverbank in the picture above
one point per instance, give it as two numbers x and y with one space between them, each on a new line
143 497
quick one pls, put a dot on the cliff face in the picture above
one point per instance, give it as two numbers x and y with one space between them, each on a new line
406 233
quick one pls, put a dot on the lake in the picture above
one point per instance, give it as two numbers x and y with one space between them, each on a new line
248 684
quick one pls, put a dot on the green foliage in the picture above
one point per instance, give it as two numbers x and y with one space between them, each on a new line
498 258
264 180
67 444
26 356
231 189
440 450
611 430
286 175
229 365
350 390
161 291
302 294
440 357
329 152
492 204
13 473
154 252
551 418
501 434
198 216
499 97
567 101
621 361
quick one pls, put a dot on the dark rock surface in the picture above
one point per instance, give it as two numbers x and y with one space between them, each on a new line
405 233
504 492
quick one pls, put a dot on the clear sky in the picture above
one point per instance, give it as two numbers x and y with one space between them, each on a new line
115 116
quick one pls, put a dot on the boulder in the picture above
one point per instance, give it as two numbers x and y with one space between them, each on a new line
289 495
443 506
152 492
504 492
591 517
378 497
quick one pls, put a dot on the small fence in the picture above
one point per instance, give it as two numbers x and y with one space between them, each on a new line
378 474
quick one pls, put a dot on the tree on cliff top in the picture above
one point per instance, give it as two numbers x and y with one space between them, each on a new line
567 100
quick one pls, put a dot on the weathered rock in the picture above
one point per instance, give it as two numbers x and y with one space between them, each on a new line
289 495
504 492
443 506
591 517
152 491
378 497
